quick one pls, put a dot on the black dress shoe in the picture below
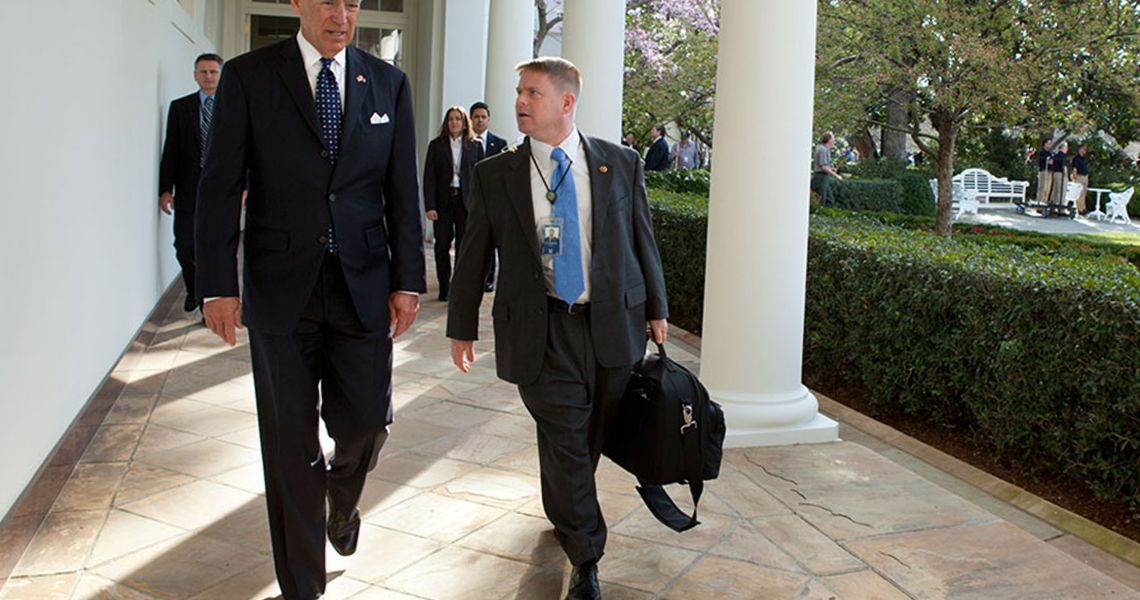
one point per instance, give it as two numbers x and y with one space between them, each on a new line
190 304
443 297
584 583
343 531
488 287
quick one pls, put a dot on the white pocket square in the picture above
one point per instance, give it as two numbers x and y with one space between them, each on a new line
376 119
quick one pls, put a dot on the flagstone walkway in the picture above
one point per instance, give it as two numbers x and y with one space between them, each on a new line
165 502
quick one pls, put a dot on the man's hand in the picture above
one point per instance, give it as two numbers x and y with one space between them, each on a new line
658 331
432 215
402 309
463 354
166 202
223 317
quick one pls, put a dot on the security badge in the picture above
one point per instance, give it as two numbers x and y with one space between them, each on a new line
550 236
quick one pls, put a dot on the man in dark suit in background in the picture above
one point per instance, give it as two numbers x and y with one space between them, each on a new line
187 130
334 261
580 279
657 156
492 145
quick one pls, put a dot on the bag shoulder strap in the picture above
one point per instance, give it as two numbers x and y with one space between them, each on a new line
656 499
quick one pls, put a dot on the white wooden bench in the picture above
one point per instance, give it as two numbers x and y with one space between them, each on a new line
986 186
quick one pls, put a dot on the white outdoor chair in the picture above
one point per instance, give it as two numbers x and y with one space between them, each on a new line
1072 193
962 200
1117 207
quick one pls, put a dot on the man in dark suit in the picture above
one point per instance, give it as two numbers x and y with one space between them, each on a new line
580 278
188 127
492 145
657 157
334 261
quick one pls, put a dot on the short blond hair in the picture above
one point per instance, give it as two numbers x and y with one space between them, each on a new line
562 72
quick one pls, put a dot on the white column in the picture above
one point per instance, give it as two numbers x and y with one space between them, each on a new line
752 344
593 37
510 42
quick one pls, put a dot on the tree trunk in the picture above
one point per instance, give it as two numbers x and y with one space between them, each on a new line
947 136
893 138
865 144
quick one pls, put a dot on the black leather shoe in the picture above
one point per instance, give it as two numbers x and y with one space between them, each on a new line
343 531
190 304
488 287
443 297
584 583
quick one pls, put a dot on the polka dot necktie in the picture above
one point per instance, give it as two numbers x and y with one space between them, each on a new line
568 281
328 109
204 129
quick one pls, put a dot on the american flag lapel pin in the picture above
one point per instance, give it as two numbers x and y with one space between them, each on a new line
361 79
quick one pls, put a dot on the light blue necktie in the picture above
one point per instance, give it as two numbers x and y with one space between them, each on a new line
328 110
568 281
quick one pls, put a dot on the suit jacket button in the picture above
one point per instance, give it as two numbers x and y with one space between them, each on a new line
324 153
324 239
538 311
538 275
332 197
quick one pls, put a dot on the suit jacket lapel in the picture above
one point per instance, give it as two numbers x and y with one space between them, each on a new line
599 186
518 188
354 92
196 124
292 72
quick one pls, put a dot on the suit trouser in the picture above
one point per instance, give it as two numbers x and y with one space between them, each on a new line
184 245
573 403
448 226
1084 181
329 350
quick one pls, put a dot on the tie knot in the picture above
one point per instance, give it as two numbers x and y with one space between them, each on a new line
326 62
558 155
209 101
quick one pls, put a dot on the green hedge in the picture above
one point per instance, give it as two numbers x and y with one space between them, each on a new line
1046 243
1035 354
680 225
868 194
685 181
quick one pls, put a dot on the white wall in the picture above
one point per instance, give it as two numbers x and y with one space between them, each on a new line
84 254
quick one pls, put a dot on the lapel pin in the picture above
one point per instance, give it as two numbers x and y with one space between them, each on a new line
603 169
361 78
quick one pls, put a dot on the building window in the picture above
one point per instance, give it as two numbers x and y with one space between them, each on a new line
385 43
382 5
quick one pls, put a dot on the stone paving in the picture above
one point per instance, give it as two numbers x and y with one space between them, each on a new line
1004 215
166 503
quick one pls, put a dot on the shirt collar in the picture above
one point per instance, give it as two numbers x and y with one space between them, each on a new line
571 146
311 56
202 97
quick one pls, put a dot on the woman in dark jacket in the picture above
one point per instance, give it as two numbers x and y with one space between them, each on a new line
448 171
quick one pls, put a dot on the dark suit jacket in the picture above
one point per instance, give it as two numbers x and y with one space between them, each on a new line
438 170
627 285
495 145
265 120
657 157
179 170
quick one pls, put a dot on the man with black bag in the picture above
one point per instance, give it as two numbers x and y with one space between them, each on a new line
579 279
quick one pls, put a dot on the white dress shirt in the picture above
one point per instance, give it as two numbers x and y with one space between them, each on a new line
311 58
572 146
456 157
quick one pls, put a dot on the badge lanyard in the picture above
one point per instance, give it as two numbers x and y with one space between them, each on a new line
551 194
